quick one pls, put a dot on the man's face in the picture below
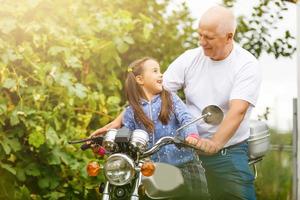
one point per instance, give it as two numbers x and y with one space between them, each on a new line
213 43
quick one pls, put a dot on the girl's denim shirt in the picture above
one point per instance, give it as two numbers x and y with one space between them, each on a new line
179 117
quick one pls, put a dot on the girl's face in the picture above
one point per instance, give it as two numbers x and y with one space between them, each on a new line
151 78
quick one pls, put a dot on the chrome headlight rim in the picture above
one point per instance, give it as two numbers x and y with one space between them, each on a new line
128 160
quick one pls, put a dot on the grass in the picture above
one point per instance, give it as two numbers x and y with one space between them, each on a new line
274 181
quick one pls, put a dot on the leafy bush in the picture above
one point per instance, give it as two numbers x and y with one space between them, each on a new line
274 181
61 71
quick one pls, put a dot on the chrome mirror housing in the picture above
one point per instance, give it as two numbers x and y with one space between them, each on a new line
109 139
139 140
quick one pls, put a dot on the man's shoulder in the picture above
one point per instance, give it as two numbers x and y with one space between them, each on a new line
244 55
185 60
193 52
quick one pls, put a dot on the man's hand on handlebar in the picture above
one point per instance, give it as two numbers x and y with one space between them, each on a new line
207 146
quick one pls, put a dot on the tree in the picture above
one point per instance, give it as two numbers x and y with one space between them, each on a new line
61 71
254 33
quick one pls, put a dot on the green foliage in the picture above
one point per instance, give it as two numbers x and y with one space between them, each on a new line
254 33
62 65
274 180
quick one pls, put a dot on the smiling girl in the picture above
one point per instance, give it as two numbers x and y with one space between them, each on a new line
160 113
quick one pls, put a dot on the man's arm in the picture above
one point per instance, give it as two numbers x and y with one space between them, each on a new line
231 122
237 111
116 123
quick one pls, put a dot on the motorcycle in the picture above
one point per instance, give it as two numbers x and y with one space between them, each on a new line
129 172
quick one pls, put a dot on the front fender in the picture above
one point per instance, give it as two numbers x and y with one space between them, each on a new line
166 182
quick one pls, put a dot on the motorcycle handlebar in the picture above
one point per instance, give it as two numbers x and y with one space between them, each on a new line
92 140
167 140
161 142
85 147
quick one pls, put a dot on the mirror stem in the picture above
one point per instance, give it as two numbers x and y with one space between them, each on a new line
201 117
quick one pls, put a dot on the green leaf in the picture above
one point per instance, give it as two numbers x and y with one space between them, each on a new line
66 158
108 53
10 56
36 139
121 45
9 83
23 193
64 79
128 39
54 195
73 62
80 90
51 136
48 182
118 60
32 169
102 99
3 109
6 148
14 144
113 100
53 159
104 120
14 119
8 168
21 174
54 182
44 182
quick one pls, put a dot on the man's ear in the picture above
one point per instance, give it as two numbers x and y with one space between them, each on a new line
139 79
230 37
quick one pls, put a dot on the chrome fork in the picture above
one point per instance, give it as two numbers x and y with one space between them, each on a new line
105 195
135 193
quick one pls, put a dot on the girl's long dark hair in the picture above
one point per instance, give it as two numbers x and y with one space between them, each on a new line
134 93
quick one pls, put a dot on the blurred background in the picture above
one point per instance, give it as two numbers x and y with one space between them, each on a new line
62 68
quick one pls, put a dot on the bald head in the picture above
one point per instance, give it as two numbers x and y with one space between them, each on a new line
220 19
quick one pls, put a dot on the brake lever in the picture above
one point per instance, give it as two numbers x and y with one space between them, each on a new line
97 139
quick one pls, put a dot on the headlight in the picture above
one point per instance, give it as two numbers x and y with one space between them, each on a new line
119 169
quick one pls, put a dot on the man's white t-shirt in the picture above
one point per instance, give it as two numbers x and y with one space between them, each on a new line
208 82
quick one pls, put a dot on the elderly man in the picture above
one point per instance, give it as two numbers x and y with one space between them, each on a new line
221 73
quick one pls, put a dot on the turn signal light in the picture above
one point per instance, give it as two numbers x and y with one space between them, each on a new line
93 168
148 169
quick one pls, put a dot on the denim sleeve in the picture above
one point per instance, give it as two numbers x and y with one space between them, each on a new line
128 119
183 116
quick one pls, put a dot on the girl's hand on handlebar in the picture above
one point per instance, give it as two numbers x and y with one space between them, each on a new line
105 128
99 131
192 139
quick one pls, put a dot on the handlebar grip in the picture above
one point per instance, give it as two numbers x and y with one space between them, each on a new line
85 147
182 143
